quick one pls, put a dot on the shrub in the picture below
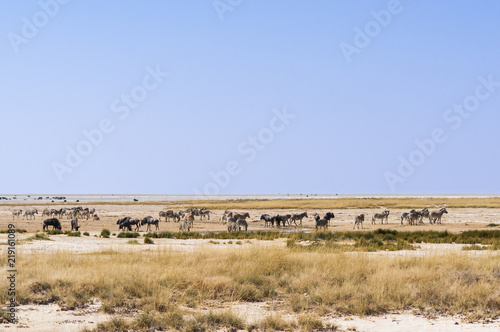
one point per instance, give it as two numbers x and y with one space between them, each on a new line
128 235
105 233
148 240
77 234
86 234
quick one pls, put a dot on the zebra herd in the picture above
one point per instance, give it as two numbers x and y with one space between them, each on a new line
69 213
413 217
233 220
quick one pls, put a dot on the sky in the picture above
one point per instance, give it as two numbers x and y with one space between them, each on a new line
249 97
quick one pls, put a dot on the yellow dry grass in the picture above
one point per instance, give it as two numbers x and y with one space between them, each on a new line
309 203
306 282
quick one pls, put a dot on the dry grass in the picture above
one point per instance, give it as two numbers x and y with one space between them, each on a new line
341 203
160 283
307 203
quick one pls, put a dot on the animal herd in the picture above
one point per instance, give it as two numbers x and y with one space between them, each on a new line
232 220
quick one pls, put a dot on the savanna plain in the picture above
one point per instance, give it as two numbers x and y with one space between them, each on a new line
383 277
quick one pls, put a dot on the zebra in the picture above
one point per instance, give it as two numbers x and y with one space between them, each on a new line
299 217
184 226
204 213
232 226
381 216
436 215
405 216
359 221
30 213
242 224
16 213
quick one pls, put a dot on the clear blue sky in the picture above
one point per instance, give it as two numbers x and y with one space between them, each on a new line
231 66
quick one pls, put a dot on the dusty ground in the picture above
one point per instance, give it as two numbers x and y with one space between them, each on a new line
51 318
456 220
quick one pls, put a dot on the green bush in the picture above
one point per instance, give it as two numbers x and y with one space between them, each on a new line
128 235
105 233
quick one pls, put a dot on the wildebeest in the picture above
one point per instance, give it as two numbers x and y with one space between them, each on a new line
16 213
268 220
150 221
329 216
436 216
51 222
320 222
381 216
278 219
74 224
359 221
127 222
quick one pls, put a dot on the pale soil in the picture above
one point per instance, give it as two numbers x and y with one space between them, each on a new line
456 220
50 318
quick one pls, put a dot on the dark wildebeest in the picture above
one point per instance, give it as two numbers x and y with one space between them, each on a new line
299 217
321 223
150 221
51 222
268 220
125 223
359 221
328 216
74 224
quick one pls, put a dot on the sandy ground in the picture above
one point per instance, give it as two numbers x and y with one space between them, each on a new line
51 318
456 220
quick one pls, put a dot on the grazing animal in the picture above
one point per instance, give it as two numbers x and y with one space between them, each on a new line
16 213
46 212
268 220
242 224
51 222
278 219
30 213
184 226
232 226
150 221
381 216
96 217
413 217
321 222
74 224
243 216
405 216
359 221
299 217
436 216
329 216
205 213
162 214
125 223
